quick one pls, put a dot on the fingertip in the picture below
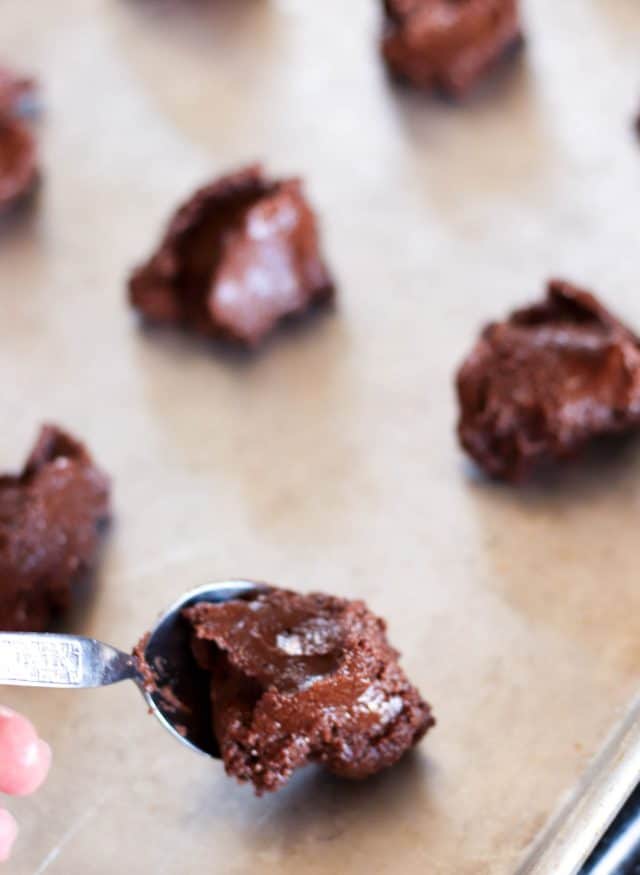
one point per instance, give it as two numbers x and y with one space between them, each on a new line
26 758
8 834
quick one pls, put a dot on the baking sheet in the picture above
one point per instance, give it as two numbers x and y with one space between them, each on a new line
328 461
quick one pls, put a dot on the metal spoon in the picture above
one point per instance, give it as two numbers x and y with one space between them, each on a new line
73 662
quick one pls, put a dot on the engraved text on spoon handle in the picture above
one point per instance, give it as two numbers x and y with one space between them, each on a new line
66 661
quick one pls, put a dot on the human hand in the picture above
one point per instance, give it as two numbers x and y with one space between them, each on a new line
24 763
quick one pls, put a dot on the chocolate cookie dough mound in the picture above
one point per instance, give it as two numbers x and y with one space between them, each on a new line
18 162
242 254
304 678
448 45
539 386
18 152
49 520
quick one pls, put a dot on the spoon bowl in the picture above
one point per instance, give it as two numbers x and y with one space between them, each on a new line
180 695
176 690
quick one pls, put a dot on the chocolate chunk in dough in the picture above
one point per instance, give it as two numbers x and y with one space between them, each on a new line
304 678
50 516
18 94
242 254
448 45
539 386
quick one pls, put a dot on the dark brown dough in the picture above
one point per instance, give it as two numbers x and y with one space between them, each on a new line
240 255
18 162
18 152
50 516
304 678
448 45
540 385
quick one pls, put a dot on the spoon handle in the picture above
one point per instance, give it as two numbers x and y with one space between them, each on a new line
63 661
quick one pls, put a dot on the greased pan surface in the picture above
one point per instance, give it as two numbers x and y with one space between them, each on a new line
328 461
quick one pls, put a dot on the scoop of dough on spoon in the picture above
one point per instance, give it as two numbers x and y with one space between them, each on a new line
163 668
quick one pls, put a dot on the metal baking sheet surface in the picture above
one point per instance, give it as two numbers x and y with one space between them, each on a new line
328 461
